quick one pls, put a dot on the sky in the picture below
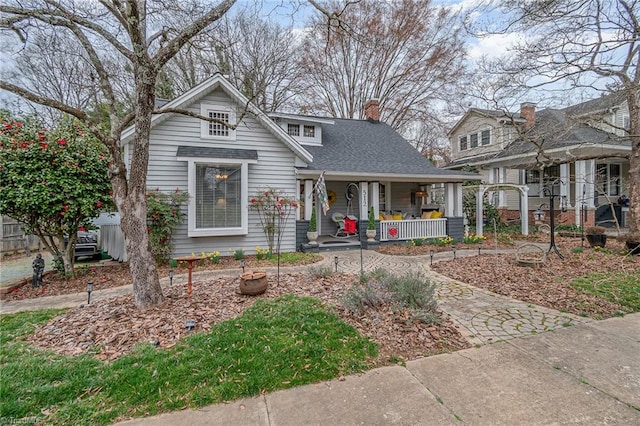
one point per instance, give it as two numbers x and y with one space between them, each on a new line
296 13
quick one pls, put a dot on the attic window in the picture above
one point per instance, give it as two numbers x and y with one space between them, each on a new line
293 129
309 131
217 129
626 122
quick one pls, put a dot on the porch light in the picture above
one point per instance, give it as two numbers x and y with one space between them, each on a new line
335 262
420 193
242 265
190 325
431 256
89 290
453 249
171 276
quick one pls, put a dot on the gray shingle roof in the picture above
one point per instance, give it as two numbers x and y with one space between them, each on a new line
202 152
366 147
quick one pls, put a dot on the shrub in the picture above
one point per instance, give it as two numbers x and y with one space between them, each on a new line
320 271
594 230
412 291
360 297
163 217
313 225
238 254
371 225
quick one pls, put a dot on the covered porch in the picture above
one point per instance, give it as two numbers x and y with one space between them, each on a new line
403 209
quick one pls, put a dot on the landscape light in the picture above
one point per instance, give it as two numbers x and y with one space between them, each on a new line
431 255
89 290
335 262
171 276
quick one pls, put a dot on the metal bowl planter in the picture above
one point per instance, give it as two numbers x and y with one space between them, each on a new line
633 247
253 283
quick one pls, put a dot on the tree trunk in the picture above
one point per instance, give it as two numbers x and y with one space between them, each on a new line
131 199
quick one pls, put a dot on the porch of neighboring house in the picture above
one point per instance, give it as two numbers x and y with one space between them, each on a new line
403 211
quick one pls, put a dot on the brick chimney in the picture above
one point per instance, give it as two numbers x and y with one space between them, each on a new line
528 112
372 110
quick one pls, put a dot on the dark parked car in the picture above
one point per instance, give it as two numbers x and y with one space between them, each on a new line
87 245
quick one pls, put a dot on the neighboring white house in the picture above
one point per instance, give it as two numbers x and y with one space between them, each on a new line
221 168
581 152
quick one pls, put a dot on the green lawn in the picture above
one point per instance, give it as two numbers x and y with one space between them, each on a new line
618 287
275 344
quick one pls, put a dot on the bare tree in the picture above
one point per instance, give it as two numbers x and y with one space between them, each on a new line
140 37
126 29
408 54
592 43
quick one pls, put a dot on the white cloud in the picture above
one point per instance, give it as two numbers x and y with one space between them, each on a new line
493 46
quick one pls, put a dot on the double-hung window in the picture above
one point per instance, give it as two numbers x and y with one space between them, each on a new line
463 143
485 137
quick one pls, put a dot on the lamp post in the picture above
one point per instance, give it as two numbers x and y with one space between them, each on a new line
335 262
171 276
552 196
431 256
89 290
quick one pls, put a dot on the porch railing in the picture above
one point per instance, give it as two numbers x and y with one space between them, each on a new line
414 228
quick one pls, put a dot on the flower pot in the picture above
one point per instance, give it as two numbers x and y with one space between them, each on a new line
253 283
371 235
633 247
312 236
597 240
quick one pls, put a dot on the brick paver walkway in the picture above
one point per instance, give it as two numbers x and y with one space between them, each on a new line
484 317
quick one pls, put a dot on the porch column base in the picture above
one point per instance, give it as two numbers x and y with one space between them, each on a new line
310 248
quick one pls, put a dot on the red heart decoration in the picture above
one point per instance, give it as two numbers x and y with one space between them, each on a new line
393 232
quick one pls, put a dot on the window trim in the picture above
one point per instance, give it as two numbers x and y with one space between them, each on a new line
243 229
205 109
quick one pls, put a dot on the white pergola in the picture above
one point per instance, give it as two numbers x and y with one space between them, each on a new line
524 204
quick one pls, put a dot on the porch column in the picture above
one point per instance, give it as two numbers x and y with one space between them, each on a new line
479 213
364 200
449 199
458 210
375 198
585 185
308 198
524 212
565 184
502 178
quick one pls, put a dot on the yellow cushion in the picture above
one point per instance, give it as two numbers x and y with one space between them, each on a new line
381 216
425 215
388 217
436 215
397 217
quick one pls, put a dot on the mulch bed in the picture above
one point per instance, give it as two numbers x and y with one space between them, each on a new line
111 328
114 326
546 285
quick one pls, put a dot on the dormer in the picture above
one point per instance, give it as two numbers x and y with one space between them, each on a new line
305 130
